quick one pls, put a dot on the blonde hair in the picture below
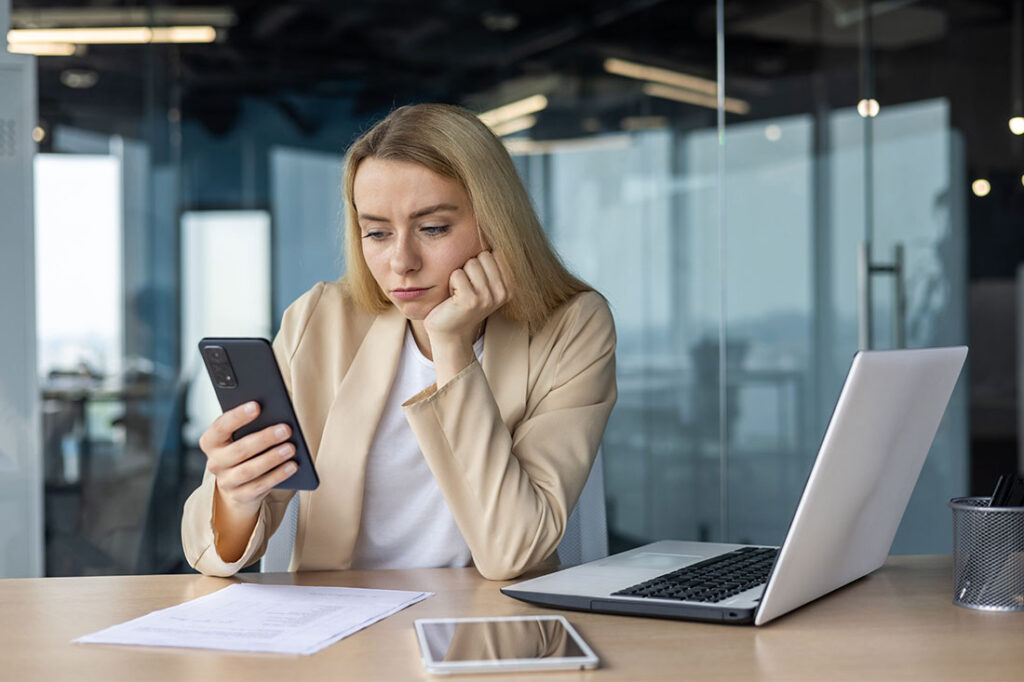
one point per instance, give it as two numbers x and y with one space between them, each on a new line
454 143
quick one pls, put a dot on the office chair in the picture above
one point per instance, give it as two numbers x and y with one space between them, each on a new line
585 538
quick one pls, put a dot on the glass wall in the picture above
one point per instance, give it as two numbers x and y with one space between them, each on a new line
730 236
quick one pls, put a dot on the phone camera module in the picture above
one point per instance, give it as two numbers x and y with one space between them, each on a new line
220 367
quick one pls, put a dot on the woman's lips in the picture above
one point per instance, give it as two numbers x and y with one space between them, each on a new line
409 294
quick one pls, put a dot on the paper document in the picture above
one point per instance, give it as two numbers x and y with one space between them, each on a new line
286 619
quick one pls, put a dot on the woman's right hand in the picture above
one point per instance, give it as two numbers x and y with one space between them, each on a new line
247 469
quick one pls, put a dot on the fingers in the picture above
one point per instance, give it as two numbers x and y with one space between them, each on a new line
252 479
249 467
459 283
253 444
476 290
481 277
258 488
220 431
495 276
476 278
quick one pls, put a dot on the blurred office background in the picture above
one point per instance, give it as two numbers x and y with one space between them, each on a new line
187 184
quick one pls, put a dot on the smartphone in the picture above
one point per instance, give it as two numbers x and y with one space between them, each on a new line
501 644
244 369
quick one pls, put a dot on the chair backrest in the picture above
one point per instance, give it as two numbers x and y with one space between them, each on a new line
278 556
585 539
586 531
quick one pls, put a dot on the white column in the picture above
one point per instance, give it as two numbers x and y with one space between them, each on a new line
21 489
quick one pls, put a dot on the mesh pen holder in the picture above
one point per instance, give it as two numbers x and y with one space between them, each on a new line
988 555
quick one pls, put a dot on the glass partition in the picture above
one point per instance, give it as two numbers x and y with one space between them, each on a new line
731 243
638 223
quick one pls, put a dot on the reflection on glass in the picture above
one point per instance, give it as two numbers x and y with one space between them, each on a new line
499 640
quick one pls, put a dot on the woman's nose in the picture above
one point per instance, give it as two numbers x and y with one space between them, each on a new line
405 257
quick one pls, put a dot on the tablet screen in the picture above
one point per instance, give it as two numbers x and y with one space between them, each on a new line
480 640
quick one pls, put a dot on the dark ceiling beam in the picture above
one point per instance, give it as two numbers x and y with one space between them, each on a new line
546 39
274 20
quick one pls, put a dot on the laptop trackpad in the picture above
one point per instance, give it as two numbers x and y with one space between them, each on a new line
651 560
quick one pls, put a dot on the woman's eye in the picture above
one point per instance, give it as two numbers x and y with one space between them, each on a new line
435 229
375 234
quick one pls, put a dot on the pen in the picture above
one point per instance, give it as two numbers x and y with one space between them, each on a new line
1009 492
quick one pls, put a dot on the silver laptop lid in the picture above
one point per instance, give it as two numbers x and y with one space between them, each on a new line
872 453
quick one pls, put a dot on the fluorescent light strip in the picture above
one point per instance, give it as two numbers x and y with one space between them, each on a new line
513 110
643 122
55 17
184 34
114 35
644 72
43 49
732 105
516 125
519 146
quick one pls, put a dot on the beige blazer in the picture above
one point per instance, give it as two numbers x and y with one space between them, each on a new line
510 443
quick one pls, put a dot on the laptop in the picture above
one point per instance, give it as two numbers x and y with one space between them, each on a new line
868 463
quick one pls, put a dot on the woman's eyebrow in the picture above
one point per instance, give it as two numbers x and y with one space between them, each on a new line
436 208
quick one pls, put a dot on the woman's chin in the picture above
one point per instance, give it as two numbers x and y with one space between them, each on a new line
414 310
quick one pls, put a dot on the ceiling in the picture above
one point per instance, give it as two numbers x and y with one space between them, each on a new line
482 53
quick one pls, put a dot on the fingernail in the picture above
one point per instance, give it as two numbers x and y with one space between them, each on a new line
280 432
285 451
290 467
251 407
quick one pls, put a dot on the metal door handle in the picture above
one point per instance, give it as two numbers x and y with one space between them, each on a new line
865 271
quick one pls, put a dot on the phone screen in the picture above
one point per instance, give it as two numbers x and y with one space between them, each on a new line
498 640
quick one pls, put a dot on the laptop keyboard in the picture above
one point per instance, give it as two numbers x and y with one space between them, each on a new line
711 580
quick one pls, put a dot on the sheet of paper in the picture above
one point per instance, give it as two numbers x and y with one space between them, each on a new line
287 619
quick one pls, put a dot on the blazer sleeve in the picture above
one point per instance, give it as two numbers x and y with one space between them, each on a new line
198 535
511 492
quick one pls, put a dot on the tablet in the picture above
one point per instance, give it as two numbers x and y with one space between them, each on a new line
505 644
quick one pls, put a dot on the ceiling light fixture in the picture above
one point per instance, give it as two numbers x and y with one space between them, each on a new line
55 17
643 122
500 22
644 72
1017 125
79 79
868 108
522 146
516 125
981 187
115 35
43 49
514 110
732 105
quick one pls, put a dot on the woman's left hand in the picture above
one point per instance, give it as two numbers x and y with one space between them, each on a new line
476 290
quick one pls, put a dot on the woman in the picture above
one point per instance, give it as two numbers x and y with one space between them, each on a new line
454 385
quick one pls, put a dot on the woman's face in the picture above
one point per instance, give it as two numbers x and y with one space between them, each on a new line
417 227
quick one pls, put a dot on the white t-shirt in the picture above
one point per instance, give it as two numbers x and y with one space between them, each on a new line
405 521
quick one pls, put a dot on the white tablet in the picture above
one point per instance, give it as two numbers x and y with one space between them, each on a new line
481 645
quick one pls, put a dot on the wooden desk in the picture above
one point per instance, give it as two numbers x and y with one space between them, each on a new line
897 624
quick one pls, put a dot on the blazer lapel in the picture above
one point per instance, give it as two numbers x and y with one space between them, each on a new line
336 505
507 366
